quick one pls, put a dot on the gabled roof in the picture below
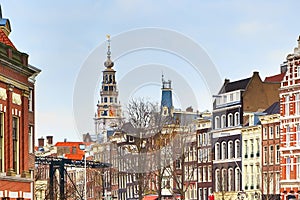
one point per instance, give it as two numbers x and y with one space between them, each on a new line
273 109
5 40
237 85
275 79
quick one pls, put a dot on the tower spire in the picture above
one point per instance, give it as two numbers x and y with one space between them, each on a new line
108 63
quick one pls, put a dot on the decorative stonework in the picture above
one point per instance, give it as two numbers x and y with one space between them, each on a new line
3 94
16 99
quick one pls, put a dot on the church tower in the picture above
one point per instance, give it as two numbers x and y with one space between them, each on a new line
166 98
108 116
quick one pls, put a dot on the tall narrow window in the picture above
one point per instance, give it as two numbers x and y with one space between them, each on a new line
287 105
230 119
288 168
265 155
224 150
271 133
287 135
298 167
217 122
277 154
236 119
230 179
217 151
298 135
297 102
1 141
30 139
15 136
230 149
223 121
271 156
30 100
277 131
237 180
217 180
237 149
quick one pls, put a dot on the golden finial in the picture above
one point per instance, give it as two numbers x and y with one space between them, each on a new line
108 37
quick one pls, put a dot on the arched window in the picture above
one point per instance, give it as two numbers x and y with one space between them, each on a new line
224 150
217 122
236 119
230 120
230 149
217 180
230 180
217 151
224 179
223 121
237 179
237 149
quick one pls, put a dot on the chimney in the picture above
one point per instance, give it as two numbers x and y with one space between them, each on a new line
49 140
226 81
41 142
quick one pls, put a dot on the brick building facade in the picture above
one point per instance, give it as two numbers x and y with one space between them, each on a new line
17 80
290 127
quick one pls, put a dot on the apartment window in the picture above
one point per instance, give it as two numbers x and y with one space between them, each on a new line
200 140
200 174
224 150
1 141
209 154
209 174
30 139
231 97
30 100
237 179
298 167
230 179
204 193
288 139
265 155
246 148
178 164
277 154
258 147
217 122
200 193
252 148
230 119
297 102
265 133
230 149
217 151
237 149
204 174
277 131
224 99
15 136
288 168
271 156
223 121
217 181
298 135
200 155
271 133
236 119
208 138
287 105
204 139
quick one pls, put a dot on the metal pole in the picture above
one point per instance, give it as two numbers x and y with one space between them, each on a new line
85 175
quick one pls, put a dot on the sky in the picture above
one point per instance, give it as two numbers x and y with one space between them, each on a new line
63 37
